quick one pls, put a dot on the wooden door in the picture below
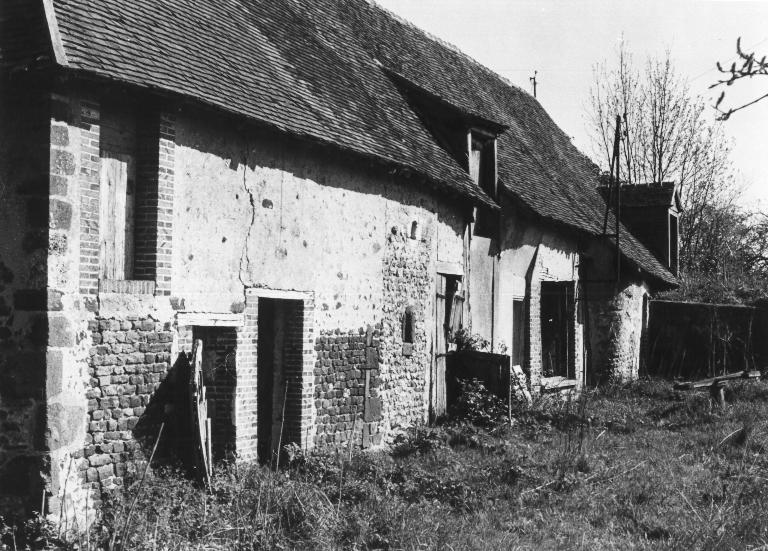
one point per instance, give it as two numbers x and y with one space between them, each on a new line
201 423
440 349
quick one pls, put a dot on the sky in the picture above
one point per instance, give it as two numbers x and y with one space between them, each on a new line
562 40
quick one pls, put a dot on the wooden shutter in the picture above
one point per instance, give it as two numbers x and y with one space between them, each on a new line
116 216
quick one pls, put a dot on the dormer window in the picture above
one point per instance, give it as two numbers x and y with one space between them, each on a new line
650 211
482 169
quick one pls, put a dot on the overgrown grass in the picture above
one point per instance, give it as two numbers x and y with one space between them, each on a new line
622 467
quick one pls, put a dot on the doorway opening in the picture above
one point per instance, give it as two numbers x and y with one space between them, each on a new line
557 329
518 332
279 375
449 305
219 376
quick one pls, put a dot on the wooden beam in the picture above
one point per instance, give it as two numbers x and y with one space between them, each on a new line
706 383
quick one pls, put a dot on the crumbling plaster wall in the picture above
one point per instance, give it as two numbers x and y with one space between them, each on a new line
289 217
615 306
483 282
616 329
530 252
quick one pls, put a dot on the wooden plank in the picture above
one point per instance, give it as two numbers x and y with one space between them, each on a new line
706 383
116 207
371 358
199 412
117 192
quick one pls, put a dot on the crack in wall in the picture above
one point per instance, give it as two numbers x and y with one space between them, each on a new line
244 257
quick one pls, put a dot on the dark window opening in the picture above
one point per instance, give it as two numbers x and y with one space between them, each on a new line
408 325
414 230
279 381
482 170
219 377
557 329
518 332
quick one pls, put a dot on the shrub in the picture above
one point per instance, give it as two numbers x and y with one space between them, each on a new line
477 405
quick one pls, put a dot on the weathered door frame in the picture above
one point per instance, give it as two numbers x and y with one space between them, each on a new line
437 390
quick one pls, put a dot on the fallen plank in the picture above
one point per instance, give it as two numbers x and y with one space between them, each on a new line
706 383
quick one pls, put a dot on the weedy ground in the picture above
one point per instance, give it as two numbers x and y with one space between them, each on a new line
621 467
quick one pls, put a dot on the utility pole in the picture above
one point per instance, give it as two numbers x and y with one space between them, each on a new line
533 81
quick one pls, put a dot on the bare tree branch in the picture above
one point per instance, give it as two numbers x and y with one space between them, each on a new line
750 67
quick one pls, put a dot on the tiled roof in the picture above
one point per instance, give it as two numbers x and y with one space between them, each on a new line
538 164
289 64
314 68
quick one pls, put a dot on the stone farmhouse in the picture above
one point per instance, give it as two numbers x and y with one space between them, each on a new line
319 192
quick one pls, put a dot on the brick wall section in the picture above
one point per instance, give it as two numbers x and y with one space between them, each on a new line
308 414
127 365
89 122
166 179
340 390
154 151
533 337
154 199
246 426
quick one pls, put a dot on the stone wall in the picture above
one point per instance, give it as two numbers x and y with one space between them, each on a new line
409 282
343 409
290 218
87 365
25 134
128 362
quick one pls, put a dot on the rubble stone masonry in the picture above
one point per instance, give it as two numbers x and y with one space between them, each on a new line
129 360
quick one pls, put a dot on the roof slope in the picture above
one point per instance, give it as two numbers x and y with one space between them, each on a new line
538 164
314 68
283 63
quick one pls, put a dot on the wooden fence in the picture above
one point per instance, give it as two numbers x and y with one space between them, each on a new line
693 340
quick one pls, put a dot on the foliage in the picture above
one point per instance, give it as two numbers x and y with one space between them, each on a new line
477 405
466 340
34 533
634 466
